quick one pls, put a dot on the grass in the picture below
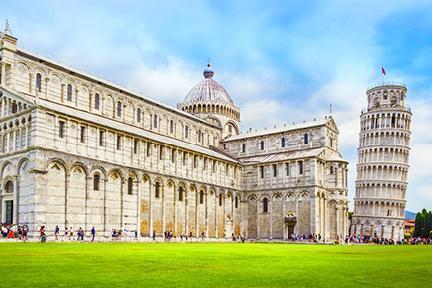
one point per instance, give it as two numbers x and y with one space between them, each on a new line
213 265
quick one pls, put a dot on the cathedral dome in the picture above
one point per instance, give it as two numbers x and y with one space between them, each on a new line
207 91
210 101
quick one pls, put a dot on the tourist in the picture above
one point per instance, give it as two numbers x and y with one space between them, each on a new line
11 234
136 235
19 232
80 234
93 232
4 231
70 233
66 234
42 234
154 235
24 233
56 232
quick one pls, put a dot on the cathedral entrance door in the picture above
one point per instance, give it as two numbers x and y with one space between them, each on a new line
290 230
290 222
8 211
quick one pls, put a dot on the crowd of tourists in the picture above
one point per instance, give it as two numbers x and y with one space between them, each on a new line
368 239
20 232
8 232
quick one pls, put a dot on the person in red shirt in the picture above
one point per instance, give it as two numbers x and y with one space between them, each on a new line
11 234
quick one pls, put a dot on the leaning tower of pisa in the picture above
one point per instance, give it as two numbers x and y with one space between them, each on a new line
382 168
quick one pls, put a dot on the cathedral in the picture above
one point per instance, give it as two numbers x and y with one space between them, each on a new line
80 151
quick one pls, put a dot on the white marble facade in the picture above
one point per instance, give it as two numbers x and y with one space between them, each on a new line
78 151
382 169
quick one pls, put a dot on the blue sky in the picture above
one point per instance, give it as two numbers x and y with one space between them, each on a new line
281 61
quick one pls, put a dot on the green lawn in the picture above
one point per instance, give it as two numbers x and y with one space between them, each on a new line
213 265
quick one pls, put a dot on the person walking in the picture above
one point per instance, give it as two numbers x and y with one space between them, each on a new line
42 234
70 233
93 232
154 235
4 231
66 234
56 232
11 234
80 234
24 233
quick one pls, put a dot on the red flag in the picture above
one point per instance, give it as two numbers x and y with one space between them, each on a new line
383 71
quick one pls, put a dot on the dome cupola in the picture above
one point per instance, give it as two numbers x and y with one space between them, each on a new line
209 100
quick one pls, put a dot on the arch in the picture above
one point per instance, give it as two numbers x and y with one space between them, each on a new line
9 186
80 165
201 196
7 165
109 106
265 206
96 181
119 109
130 185
181 192
57 161
100 169
158 189
38 83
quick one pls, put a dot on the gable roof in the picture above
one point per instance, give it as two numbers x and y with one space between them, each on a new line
316 123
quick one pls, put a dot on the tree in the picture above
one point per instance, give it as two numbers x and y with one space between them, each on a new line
423 224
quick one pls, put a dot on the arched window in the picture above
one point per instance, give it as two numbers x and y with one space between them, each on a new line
69 92
220 199
155 121
331 170
130 185
96 181
39 82
236 202
306 138
173 155
199 136
157 190
262 145
9 189
283 141
97 101
186 131
138 116
229 128
119 109
265 205
14 108
171 126
300 167
201 197
180 194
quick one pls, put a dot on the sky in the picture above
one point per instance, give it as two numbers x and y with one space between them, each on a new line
281 61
